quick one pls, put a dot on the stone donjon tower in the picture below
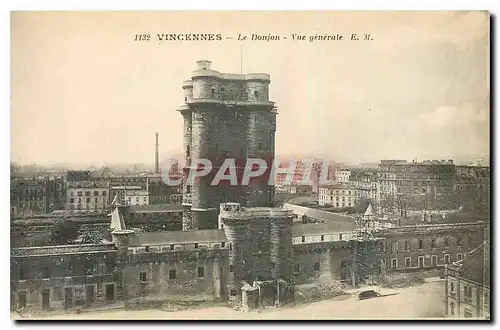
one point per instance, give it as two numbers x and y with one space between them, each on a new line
225 116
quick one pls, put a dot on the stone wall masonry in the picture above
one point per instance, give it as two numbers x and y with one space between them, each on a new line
327 255
36 267
257 91
56 291
281 247
37 276
186 284
206 88
232 91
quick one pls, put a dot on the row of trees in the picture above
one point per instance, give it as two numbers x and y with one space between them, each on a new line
67 232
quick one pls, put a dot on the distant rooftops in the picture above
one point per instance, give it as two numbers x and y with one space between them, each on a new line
78 175
415 162
338 186
126 188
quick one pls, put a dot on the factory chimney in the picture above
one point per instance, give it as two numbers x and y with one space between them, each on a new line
157 156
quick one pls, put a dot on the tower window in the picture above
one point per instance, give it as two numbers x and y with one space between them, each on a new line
201 272
45 272
256 94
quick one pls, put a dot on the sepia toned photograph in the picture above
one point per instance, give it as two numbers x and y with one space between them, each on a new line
250 165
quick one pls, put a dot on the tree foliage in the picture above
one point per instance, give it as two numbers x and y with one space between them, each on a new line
388 203
93 234
14 168
64 232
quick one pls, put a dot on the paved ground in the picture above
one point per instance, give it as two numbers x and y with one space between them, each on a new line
422 301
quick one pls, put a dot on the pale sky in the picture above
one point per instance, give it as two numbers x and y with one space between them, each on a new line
83 91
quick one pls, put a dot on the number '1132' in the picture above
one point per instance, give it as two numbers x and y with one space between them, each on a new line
142 37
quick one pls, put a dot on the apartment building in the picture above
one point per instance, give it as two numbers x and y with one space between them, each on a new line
338 195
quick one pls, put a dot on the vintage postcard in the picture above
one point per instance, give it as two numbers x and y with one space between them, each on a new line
250 165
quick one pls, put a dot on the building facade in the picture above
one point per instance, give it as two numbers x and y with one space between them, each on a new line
366 181
39 195
85 192
338 195
131 195
226 116
467 291
426 247
473 188
159 192
342 175
256 247
427 185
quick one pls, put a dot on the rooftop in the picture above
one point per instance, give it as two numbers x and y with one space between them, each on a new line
299 229
159 208
204 69
62 249
337 186
180 237
234 211
476 265
319 214
449 218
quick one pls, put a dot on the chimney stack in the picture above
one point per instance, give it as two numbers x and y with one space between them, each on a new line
157 156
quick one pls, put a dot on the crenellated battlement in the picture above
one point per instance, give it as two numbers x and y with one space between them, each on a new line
236 211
